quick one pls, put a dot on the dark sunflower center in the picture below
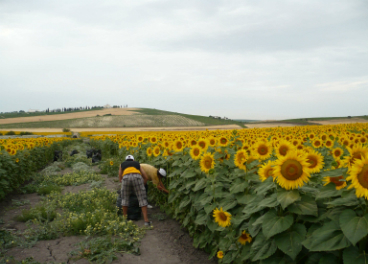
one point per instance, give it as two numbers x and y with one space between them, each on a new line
317 143
269 172
262 150
202 144
291 170
179 145
363 176
283 150
312 162
223 140
328 143
222 216
337 153
196 152
244 236
208 163
336 180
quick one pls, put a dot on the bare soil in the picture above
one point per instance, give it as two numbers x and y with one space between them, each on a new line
166 243
112 111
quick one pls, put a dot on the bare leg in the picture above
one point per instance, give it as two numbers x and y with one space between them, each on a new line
125 211
144 211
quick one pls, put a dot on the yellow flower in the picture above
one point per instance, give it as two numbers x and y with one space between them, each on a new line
244 238
195 153
315 160
111 163
240 158
220 254
262 150
292 171
266 171
16 160
207 162
223 218
336 180
359 177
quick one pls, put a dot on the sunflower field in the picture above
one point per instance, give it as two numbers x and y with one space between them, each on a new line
277 195
20 157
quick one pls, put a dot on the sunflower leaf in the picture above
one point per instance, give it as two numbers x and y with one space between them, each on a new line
327 238
188 174
262 248
328 191
273 224
334 173
307 206
265 186
285 198
353 226
200 184
351 255
291 242
237 188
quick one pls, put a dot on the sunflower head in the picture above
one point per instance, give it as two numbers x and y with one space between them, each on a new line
178 146
240 158
292 171
149 152
195 152
244 238
315 160
223 141
266 171
262 150
337 153
338 181
156 151
207 162
359 177
220 254
111 163
283 148
223 218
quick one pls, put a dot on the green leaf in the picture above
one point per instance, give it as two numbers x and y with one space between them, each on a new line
334 173
189 184
208 208
237 188
328 191
270 201
353 226
229 204
184 202
273 224
329 259
244 198
201 218
200 184
188 174
307 206
327 238
285 198
174 183
262 248
290 242
254 228
263 187
351 255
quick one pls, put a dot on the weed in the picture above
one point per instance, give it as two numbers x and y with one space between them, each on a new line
41 213
104 249
96 184
18 203
47 189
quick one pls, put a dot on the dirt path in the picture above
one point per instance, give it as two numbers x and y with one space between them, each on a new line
166 243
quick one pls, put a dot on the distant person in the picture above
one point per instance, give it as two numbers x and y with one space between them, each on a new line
133 178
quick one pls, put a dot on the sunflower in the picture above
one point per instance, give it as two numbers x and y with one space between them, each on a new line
153 139
16 160
329 143
244 238
149 152
178 146
111 163
337 153
220 254
356 153
223 141
336 180
212 141
202 143
283 147
266 171
156 151
359 177
223 218
207 162
291 171
240 158
315 160
317 143
140 138
195 153
262 150
192 142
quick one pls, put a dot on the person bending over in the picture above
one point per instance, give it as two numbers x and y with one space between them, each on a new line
154 175
132 178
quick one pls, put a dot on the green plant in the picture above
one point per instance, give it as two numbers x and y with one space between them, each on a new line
104 249
25 133
10 133
66 129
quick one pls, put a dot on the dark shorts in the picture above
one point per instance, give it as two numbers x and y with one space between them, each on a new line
133 182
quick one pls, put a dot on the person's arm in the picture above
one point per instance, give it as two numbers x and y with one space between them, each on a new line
120 173
144 176
161 187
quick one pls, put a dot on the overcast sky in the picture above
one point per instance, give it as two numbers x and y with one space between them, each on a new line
240 59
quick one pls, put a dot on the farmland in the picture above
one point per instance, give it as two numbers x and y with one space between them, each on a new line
270 195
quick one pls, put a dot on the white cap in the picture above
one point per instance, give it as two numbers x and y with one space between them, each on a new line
162 172
129 157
